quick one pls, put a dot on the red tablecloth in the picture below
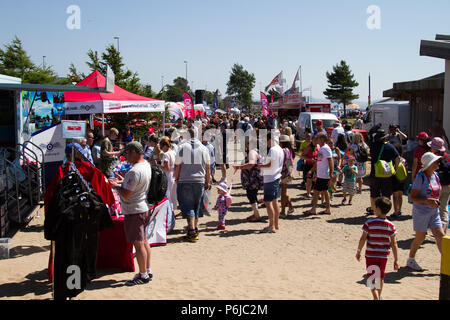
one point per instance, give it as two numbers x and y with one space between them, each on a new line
113 250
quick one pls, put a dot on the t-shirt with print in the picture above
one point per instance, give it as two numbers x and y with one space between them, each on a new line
323 167
379 231
428 188
348 174
276 158
137 180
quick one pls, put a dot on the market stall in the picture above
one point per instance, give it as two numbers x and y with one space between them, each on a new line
119 101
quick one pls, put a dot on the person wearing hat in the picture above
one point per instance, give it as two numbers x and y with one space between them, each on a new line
286 174
437 146
133 189
338 129
381 186
107 153
350 171
396 136
222 204
422 139
319 127
425 195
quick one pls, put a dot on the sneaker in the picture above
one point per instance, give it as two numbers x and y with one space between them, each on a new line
191 237
412 263
137 280
150 275
221 227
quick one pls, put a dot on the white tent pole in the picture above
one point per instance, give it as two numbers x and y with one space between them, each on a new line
164 119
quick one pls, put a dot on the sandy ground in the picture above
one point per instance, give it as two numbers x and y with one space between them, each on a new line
308 258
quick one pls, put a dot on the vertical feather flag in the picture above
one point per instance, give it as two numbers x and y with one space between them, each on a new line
264 104
189 105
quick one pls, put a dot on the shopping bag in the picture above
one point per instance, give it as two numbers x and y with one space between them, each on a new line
207 203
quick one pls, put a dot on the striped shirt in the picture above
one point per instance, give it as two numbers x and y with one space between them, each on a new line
379 231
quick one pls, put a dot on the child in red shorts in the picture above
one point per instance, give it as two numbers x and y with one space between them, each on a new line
379 233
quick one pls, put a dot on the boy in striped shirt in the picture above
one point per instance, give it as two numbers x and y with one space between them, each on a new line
379 233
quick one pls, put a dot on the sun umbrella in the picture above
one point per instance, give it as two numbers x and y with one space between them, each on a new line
354 106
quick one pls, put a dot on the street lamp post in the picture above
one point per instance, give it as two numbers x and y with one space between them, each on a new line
43 61
186 70
118 48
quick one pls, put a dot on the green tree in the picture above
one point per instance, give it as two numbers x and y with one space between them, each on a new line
175 92
14 60
240 85
275 93
340 85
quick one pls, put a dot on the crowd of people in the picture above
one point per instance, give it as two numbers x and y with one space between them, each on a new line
190 152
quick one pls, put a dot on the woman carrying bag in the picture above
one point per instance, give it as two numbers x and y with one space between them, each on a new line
251 178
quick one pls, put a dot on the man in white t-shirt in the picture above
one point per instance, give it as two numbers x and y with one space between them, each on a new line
133 189
338 129
324 168
271 171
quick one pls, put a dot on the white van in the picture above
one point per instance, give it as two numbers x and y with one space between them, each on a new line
307 122
386 113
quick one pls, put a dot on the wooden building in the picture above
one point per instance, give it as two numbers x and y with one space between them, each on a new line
426 101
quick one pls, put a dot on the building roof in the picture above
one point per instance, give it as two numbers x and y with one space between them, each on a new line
438 48
435 82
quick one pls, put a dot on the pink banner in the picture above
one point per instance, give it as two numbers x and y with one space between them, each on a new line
189 105
264 104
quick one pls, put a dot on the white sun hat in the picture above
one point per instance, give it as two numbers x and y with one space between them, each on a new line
427 159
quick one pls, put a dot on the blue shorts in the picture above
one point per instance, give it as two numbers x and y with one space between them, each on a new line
190 199
272 190
424 221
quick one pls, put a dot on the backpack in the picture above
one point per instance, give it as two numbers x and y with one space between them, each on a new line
288 165
361 155
158 186
245 126
228 200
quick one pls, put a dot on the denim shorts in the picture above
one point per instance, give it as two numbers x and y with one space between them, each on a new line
424 221
272 190
190 198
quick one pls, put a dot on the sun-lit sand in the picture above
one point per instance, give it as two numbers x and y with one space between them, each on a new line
308 258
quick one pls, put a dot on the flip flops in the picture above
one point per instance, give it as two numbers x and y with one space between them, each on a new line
309 213
266 230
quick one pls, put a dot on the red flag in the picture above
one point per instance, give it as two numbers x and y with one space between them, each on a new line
264 104
271 98
189 105
297 78
275 80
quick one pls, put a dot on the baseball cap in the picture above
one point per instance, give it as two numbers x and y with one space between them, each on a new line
422 136
75 145
134 145
319 123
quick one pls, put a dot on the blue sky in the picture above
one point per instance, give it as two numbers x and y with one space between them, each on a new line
156 37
